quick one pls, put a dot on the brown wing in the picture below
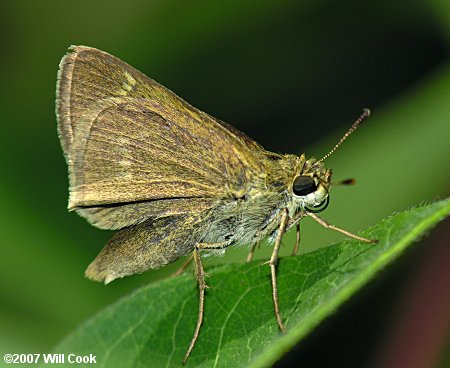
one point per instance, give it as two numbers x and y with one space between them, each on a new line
150 244
129 142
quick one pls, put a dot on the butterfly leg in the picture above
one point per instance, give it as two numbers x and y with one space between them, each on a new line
200 275
273 263
325 224
252 252
297 239
183 266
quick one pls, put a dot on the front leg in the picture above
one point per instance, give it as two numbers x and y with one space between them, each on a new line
325 224
273 263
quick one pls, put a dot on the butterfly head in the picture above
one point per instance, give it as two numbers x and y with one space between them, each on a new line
311 187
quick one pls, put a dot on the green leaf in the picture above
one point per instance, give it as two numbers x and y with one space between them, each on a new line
154 325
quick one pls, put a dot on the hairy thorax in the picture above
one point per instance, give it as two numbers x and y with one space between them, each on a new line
250 215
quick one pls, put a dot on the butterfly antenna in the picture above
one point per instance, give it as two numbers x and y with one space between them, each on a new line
365 114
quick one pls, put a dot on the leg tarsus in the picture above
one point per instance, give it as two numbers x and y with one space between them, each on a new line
273 271
327 225
200 274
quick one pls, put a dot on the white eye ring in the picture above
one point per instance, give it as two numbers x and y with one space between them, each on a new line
320 207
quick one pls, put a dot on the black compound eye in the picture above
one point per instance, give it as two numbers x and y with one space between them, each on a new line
303 185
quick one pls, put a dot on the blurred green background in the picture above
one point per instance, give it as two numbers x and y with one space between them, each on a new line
293 75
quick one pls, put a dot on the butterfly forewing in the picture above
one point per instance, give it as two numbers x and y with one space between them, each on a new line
129 140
